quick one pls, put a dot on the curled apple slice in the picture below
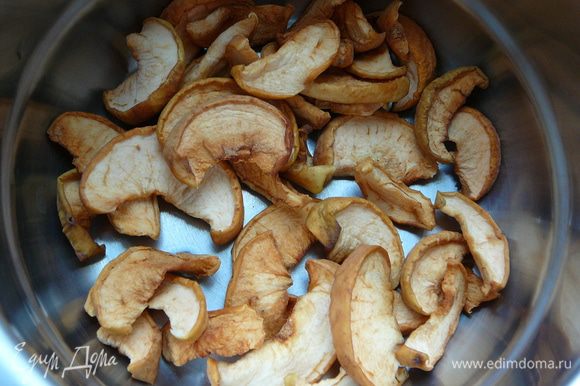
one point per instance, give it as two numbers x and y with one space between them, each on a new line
261 280
342 224
159 53
425 267
364 329
487 243
385 138
288 228
74 217
312 115
269 49
142 345
344 88
83 135
354 25
403 205
297 62
362 109
238 51
183 302
132 166
376 64
303 346
407 319
209 64
345 55
204 32
396 38
421 63
478 154
426 345
316 11
438 104
474 295
118 302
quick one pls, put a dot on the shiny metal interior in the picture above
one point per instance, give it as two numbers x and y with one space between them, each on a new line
44 285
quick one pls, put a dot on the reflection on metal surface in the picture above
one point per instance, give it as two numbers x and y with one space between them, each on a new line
44 296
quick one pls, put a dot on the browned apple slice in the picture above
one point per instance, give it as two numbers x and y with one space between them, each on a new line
354 25
231 331
474 295
132 166
487 243
296 63
344 88
376 64
203 32
407 319
74 217
345 55
426 345
425 267
236 128
238 51
316 11
159 53
303 346
362 109
142 345
385 138
364 329
83 135
403 205
420 64
288 227
183 302
118 302
209 64
342 224
478 154
261 280
438 104
312 115
396 38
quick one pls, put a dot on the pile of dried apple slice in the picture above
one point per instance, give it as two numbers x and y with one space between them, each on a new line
225 92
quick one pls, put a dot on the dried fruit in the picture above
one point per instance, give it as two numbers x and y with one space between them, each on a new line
362 109
159 53
354 25
345 54
385 138
312 115
407 319
396 37
403 205
376 64
238 51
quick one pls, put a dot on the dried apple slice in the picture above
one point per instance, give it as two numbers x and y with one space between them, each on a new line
364 329
231 331
190 99
344 88
376 64
236 128
113 178
288 227
420 64
183 302
396 38
159 53
425 267
403 205
269 49
407 319
385 138
487 243
342 224
74 217
261 280
312 115
142 345
83 135
297 62
478 154
438 104
118 302
238 51
362 109
345 55
204 31
426 345
316 11
341 379
354 25
303 346
474 295
209 64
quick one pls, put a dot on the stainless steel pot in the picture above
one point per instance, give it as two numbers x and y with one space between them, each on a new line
530 51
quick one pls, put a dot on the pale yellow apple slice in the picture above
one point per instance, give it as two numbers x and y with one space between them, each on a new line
407 319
